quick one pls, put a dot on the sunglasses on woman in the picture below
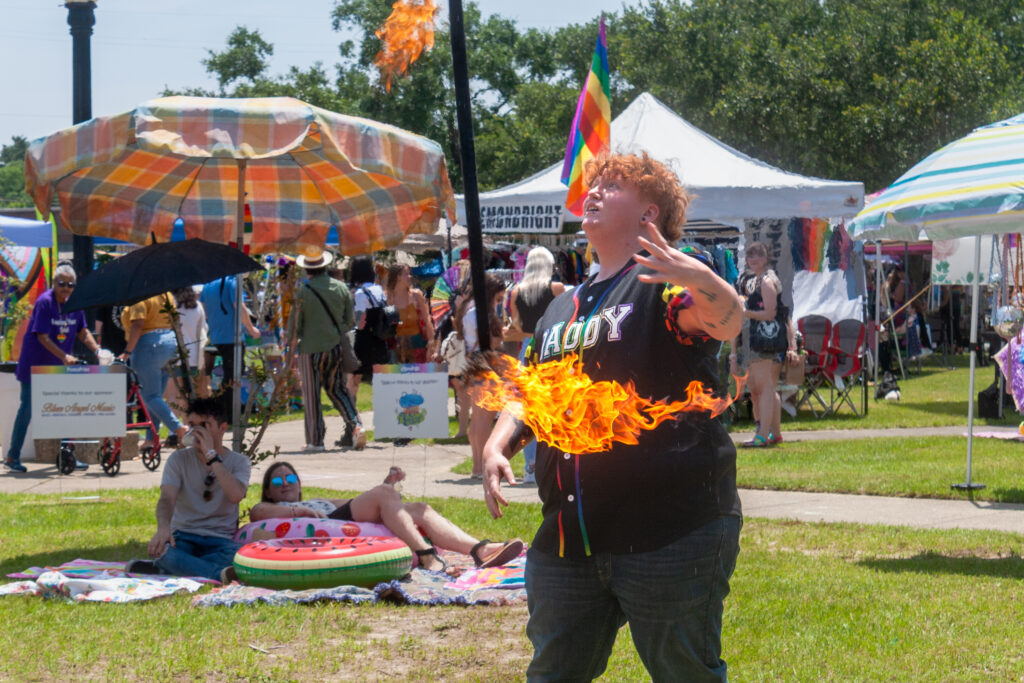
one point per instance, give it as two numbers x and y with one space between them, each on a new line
278 481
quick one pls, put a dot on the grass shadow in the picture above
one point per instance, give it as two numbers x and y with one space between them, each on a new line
109 553
1006 495
1009 567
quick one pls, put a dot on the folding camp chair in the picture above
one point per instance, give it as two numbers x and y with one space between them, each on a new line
817 332
845 362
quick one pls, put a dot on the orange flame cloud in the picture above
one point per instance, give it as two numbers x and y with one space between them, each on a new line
571 412
406 33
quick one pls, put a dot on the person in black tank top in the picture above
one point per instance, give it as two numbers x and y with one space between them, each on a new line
645 533
527 302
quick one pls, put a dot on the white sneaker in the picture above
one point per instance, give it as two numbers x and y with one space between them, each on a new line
313 448
359 439
529 478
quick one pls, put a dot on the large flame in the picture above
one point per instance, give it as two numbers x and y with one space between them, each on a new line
573 413
406 33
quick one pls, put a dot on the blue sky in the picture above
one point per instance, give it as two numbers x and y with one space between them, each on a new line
140 46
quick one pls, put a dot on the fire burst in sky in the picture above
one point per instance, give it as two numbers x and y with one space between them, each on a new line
406 33
569 411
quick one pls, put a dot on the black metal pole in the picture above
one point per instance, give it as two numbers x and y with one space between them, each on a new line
468 153
81 18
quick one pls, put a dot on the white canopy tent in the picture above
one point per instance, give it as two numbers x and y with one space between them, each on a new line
730 186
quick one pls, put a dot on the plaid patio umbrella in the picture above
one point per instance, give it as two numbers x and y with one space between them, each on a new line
300 169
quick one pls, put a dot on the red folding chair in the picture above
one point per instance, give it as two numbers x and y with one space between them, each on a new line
816 331
846 357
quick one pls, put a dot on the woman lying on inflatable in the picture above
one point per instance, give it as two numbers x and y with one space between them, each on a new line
282 497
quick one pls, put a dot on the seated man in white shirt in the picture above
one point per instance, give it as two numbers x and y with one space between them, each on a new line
197 514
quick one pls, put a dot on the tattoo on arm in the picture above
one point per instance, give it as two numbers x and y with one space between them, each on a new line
728 316
520 436
710 296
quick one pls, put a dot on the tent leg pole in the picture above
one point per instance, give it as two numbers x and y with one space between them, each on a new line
968 485
878 301
236 389
896 350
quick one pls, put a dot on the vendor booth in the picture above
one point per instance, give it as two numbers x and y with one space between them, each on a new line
25 259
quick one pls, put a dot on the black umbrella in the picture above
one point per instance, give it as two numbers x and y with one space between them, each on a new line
158 268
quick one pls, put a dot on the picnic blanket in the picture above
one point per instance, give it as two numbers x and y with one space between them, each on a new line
464 585
84 580
97 581
101 589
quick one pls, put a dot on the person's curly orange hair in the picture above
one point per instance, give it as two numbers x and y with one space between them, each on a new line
656 182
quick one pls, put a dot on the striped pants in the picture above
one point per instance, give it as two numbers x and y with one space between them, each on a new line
324 370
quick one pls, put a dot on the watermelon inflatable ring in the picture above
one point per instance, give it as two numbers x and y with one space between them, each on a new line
299 563
307 527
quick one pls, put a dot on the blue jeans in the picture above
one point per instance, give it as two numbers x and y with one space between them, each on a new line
672 598
21 422
195 555
149 360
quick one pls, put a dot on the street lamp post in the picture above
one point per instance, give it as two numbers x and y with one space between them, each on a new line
81 18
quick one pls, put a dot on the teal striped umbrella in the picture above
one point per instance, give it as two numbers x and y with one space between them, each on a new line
972 186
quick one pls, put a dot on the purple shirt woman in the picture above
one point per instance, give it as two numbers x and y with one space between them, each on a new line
48 340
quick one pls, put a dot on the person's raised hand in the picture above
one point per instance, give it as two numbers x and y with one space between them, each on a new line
203 444
669 264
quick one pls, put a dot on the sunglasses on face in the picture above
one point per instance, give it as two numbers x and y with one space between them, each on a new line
70 284
277 481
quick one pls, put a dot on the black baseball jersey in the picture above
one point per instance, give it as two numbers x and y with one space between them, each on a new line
633 498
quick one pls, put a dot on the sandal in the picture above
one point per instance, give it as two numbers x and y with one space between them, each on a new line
772 439
506 553
757 442
427 552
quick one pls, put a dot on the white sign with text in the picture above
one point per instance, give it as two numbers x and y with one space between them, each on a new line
410 401
78 401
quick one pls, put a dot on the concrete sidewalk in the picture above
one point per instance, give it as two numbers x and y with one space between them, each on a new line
428 474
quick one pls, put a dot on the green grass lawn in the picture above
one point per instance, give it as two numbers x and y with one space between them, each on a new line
809 602
914 467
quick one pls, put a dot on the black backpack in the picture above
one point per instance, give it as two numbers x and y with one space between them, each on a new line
382 320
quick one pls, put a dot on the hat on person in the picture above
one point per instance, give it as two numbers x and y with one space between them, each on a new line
320 261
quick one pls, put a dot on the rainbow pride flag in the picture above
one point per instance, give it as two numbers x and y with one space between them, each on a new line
591 127
809 241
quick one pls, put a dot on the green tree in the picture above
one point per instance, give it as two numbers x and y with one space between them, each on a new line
245 58
12 174
857 89
14 151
